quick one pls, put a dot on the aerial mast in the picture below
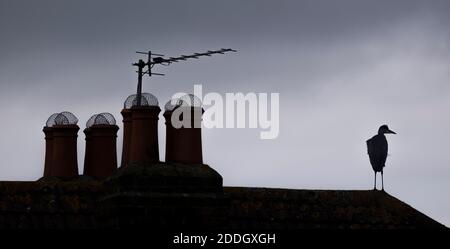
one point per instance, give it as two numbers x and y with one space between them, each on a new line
152 61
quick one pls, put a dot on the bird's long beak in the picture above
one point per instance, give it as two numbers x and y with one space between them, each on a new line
389 131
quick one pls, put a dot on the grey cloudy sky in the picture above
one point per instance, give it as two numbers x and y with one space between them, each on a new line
342 68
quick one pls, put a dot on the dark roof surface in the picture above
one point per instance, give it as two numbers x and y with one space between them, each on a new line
349 209
132 195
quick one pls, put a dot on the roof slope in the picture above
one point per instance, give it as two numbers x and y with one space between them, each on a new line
333 209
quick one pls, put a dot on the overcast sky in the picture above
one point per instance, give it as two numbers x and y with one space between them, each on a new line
342 69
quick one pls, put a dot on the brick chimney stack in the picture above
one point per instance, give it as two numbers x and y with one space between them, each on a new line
184 144
101 149
143 144
61 146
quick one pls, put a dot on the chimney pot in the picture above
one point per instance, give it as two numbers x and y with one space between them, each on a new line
140 129
101 151
61 145
184 145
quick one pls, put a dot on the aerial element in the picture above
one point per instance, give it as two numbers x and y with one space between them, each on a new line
377 148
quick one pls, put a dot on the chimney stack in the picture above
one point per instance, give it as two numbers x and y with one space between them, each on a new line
143 145
184 144
61 145
101 153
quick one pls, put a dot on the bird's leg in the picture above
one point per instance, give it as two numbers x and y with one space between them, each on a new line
375 182
382 184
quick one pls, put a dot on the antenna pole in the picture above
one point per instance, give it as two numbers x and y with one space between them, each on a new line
141 64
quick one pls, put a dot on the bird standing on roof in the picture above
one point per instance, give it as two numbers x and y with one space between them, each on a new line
377 148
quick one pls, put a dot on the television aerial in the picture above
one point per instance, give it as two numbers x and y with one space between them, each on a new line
156 59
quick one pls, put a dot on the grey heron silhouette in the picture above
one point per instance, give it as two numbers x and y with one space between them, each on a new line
377 148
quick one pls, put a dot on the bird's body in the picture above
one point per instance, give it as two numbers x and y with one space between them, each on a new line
377 148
